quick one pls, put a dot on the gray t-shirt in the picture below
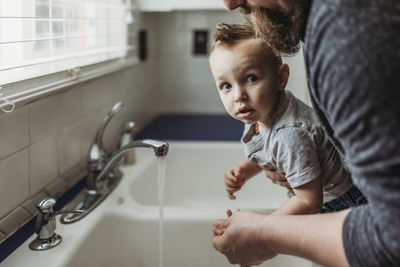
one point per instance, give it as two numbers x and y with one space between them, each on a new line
295 144
352 54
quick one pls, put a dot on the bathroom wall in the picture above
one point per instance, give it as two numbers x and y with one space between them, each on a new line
186 84
43 145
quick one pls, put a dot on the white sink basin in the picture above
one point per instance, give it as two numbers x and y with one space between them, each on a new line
195 179
123 230
133 242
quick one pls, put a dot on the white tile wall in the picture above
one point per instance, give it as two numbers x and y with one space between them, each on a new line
14 188
43 163
41 142
14 129
69 109
44 118
89 98
70 147
88 127
109 97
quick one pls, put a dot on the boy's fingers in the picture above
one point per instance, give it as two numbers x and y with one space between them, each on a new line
232 190
219 232
215 231
228 213
232 184
219 224
238 173
231 178
231 196
234 179
232 173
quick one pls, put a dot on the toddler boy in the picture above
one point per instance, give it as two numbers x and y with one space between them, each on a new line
281 132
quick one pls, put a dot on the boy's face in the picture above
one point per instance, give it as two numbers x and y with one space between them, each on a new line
247 82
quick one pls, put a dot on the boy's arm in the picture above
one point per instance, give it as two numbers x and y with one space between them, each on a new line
249 168
296 153
307 199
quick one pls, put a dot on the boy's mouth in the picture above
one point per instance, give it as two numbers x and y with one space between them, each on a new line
245 112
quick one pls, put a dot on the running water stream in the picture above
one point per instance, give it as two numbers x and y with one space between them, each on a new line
161 188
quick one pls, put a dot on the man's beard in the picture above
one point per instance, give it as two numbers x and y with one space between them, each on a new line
280 27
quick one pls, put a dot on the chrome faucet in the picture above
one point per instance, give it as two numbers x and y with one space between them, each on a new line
103 172
46 225
160 149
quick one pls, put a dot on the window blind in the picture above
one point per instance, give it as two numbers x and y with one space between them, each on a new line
39 37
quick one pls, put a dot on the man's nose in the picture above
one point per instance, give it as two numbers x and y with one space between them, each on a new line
233 4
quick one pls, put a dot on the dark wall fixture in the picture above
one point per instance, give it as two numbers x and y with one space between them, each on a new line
200 40
142 45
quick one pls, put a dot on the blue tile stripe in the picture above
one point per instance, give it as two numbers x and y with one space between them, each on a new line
193 127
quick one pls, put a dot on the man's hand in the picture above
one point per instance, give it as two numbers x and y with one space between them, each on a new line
250 238
239 238
277 177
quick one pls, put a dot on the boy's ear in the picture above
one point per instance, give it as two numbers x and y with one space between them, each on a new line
283 76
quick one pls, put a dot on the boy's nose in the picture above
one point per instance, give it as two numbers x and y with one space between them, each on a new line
233 4
240 94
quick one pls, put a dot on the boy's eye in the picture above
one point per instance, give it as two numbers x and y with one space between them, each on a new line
226 86
252 78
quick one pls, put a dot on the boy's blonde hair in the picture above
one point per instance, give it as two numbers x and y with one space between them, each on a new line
231 34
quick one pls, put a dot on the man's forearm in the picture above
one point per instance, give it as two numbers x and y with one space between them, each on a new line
315 237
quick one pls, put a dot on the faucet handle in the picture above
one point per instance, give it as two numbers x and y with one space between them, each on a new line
100 132
127 135
98 155
46 205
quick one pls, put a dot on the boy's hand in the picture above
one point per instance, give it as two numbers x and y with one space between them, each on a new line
234 179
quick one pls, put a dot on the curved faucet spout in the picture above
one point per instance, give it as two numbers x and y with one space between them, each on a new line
160 149
100 132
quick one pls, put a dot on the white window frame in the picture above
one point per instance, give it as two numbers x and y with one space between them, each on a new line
23 92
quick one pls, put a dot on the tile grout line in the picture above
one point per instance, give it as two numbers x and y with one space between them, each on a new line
30 152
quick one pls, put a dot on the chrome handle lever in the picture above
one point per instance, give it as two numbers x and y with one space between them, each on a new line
97 155
100 132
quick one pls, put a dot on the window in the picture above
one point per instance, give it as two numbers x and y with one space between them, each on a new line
70 38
